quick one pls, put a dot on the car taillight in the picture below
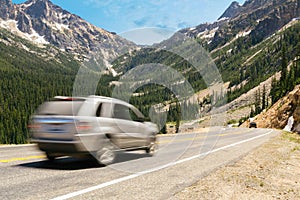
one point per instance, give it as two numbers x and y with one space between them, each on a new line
83 126
34 126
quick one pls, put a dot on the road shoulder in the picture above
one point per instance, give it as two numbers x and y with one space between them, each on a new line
269 172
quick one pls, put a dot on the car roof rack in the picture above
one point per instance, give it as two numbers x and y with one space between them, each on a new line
68 98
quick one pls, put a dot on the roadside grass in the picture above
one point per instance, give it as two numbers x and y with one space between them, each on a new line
239 108
292 137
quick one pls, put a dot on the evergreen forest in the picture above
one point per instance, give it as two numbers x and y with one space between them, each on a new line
28 78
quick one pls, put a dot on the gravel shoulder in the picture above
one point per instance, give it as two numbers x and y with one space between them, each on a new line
272 171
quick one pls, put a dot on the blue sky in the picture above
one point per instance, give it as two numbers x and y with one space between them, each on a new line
125 15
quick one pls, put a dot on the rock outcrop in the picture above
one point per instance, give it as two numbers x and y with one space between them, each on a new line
296 113
278 115
6 8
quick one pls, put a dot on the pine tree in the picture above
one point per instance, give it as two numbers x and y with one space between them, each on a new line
264 103
257 102
178 117
284 64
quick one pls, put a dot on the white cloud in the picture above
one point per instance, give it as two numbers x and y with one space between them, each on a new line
150 13
148 36
120 15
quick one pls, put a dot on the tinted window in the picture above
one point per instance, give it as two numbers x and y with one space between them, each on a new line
121 112
60 108
133 115
124 112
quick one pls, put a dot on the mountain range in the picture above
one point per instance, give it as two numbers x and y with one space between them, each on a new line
256 19
42 22
43 46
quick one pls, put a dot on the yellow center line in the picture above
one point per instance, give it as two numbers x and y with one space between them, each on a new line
201 137
22 159
159 142
180 140
235 133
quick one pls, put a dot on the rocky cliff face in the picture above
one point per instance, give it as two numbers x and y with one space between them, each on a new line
257 19
278 115
296 115
6 8
43 22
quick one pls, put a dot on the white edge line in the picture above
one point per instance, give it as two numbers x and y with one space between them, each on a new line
119 180
15 146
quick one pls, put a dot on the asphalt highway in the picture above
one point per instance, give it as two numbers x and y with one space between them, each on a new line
181 160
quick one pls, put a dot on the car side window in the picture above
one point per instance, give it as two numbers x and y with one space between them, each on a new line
98 111
133 116
121 112
124 112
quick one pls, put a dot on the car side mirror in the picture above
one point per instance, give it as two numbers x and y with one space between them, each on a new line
141 119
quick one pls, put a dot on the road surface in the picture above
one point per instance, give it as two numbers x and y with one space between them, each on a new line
181 161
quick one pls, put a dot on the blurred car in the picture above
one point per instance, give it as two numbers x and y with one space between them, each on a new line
252 125
95 125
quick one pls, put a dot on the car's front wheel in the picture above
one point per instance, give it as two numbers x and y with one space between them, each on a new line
152 149
106 155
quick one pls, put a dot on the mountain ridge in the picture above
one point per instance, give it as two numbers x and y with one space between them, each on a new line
259 18
45 23
233 10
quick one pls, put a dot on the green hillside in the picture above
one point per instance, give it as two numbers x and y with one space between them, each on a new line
26 80
241 62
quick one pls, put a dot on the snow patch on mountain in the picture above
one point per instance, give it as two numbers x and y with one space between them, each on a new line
12 25
243 34
9 24
223 19
207 34
24 6
56 26
35 37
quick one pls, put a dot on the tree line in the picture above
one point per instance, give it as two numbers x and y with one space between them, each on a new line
28 79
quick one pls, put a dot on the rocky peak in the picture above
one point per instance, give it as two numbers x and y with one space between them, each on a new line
6 8
41 8
43 22
6 2
38 8
232 11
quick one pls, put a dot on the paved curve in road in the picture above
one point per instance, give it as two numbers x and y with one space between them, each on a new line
181 160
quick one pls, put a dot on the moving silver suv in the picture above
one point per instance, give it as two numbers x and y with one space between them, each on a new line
94 125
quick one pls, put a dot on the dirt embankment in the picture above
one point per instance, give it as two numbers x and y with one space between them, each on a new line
270 172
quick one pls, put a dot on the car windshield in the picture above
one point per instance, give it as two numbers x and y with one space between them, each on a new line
60 108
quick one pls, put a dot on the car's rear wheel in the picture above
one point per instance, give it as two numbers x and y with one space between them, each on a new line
106 155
